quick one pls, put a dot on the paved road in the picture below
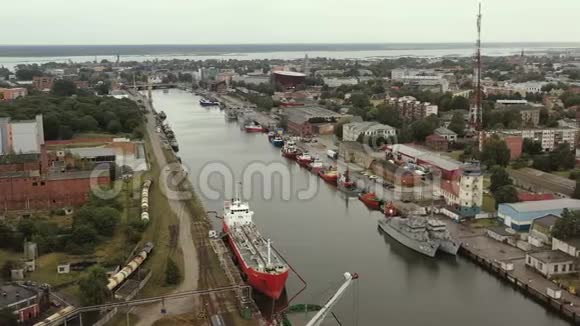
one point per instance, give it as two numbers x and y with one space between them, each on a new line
148 315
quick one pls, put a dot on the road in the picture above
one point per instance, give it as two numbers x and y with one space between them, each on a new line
148 315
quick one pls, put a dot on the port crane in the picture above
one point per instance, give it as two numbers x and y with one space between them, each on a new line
322 313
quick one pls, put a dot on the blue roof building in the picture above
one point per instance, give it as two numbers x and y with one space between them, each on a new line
519 216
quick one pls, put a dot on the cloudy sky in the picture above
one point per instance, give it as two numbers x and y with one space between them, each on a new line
58 22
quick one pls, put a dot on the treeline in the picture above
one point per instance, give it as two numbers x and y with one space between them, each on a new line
64 116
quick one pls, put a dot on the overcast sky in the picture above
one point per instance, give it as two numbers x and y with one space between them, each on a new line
59 22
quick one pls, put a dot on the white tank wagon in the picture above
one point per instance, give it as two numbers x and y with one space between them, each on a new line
56 316
145 200
122 275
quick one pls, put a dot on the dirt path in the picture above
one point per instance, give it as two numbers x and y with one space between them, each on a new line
149 314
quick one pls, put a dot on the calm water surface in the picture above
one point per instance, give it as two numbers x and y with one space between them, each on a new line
326 236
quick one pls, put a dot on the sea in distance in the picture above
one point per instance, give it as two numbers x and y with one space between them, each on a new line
12 55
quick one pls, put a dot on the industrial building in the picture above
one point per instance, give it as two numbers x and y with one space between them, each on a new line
352 131
310 120
519 216
541 182
551 262
25 302
449 168
21 137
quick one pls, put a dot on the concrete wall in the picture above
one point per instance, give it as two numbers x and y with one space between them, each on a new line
571 250
25 137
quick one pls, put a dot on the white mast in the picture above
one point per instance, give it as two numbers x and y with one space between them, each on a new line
319 317
269 253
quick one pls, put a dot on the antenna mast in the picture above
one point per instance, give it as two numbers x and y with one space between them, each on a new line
478 116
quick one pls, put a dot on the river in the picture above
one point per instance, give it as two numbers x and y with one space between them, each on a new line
325 236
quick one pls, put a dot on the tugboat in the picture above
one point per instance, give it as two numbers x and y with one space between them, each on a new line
290 150
208 102
371 200
330 176
316 166
346 185
271 136
304 159
277 141
264 269
253 127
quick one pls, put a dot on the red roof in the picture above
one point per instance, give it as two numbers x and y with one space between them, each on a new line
435 137
526 196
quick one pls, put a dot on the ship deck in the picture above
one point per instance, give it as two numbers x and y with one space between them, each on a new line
253 248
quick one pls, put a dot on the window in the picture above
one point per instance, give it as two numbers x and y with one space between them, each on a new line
529 260
563 267
570 267
556 268
540 265
34 184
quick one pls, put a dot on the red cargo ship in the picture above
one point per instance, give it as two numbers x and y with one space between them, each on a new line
263 268
290 150
371 200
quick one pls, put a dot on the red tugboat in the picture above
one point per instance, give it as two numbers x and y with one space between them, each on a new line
330 176
371 200
304 159
390 210
254 127
290 150
264 269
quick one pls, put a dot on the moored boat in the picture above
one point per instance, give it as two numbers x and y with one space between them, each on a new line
263 268
410 232
371 200
316 166
438 231
254 127
346 184
304 159
278 141
208 102
162 115
289 150
271 136
330 176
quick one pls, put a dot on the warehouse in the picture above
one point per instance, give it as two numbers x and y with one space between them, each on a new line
519 216
538 181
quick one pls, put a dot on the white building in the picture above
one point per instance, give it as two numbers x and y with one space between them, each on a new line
467 193
352 131
551 262
550 138
25 136
337 81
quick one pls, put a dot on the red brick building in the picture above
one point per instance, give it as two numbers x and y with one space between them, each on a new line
437 143
43 83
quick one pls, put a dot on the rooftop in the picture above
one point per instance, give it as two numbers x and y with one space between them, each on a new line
547 221
14 294
289 73
367 125
430 157
544 205
545 180
445 131
501 230
305 113
92 152
551 256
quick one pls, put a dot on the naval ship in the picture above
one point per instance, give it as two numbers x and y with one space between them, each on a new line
411 232
438 231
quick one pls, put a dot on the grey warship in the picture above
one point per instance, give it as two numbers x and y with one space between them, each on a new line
438 231
410 232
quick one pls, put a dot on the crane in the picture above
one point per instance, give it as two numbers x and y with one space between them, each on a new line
322 313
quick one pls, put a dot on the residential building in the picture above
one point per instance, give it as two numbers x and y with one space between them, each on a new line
551 262
519 216
333 82
420 79
550 138
541 182
43 83
541 230
507 103
411 109
352 131
449 135
10 94
437 143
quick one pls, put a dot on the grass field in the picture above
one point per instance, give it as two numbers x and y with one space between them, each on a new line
488 203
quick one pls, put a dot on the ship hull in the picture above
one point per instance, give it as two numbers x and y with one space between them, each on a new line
422 248
304 163
449 247
272 285
350 191
332 179
278 143
289 155
254 129
370 203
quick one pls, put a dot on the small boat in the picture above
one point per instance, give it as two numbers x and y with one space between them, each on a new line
278 141
290 150
304 159
271 136
371 200
208 102
316 166
253 127
330 176
162 115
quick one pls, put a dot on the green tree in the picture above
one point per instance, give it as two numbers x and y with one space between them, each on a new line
389 116
102 219
172 273
103 88
87 123
65 132
499 178
63 87
114 126
84 234
506 194
567 226
562 157
93 286
532 147
8 318
495 152
460 103
457 124
360 100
